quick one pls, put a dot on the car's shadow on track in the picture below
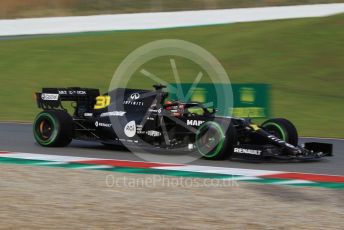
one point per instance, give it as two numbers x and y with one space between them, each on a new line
275 161
98 146
124 149
107 148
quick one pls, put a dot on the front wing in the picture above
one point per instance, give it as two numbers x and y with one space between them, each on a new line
310 151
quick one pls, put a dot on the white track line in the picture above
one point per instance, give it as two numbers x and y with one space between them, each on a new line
142 21
51 163
221 170
324 138
294 182
45 157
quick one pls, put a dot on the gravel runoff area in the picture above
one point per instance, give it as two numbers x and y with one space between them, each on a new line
40 197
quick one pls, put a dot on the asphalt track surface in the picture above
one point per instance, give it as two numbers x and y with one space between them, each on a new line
19 138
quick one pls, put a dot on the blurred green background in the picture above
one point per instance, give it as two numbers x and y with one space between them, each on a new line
302 59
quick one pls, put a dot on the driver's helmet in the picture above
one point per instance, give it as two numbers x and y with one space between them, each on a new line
176 108
167 103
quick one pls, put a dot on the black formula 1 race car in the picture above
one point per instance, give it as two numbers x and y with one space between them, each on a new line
146 119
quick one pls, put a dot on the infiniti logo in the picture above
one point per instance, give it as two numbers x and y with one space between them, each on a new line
135 96
133 100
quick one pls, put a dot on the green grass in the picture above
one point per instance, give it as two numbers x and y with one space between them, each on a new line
302 59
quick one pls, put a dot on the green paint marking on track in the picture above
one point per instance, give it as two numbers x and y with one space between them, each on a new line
70 165
266 181
323 185
315 184
8 160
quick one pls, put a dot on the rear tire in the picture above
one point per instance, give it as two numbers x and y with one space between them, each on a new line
212 143
283 129
53 128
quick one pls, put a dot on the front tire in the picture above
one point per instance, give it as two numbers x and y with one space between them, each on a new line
282 129
53 128
212 143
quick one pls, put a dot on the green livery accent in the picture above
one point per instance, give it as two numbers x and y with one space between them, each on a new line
284 135
55 127
220 144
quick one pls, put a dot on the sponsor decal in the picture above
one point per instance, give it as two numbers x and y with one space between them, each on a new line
99 124
190 146
130 129
139 129
88 114
276 139
138 103
78 92
62 92
128 140
155 110
132 100
280 141
289 145
248 151
194 122
49 97
113 113
135 96
153 133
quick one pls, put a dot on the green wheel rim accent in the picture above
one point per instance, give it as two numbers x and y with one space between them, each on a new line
284 136
55 129
219 145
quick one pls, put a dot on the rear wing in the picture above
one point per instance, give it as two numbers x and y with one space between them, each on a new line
51 98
